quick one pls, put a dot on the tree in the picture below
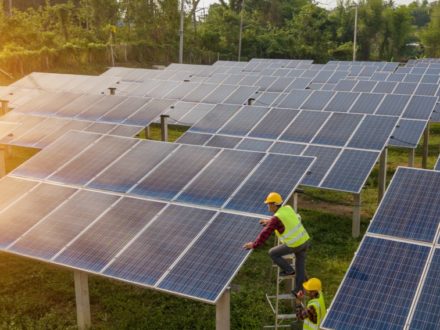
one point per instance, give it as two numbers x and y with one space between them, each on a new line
430 35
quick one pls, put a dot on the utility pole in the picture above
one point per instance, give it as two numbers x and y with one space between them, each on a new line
182 17
355 31
10 8
241 30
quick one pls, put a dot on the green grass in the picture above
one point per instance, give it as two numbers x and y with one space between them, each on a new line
34 295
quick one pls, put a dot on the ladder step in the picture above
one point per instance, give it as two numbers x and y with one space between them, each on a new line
286 316
285 296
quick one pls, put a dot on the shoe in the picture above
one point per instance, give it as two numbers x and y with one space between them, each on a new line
283 273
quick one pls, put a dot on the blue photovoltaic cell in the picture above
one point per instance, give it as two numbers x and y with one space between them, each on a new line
364 86
420 107
264 82
405 88
241 95
322 76
430 79
194 138
267 99
294 99
413 78
341 102
219 94
222 141
379 287
337 76
407 133
249 80
367 71
78 105
100 108
287 148
384 87
27 211
175 172
325 157
180 91
393 105
63 225
379 76
427 312
149 112
289 171
317 100
124 110
244 120
254 145
208 266
305 126
345 85
133 166
426 89
92 161
298 83
280 85
338 129
221 178
410 206
104 239
155 250
53 157
272 125
351 170
373 132
367 103
396 77
215 118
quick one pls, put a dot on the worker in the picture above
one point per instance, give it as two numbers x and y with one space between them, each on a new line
292 234
313 314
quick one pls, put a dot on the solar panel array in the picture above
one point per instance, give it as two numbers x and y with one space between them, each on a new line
392 280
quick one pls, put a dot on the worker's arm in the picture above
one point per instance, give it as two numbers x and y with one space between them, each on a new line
303 313
273 224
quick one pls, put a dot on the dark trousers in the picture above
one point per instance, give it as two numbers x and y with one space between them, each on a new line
277 253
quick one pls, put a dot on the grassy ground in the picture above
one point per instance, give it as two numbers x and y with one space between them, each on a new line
35 295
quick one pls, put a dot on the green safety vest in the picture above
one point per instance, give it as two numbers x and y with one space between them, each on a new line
319 305
294 232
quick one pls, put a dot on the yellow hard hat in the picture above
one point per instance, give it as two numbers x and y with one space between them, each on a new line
313 284
274 197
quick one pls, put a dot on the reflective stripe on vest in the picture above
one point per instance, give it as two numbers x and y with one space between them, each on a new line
294 232
321 310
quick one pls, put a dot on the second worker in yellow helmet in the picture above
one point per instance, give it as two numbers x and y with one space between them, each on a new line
292 234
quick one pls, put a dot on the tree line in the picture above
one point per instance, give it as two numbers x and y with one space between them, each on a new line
36 35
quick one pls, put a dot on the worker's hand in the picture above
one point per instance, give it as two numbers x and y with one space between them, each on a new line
248 245
264 222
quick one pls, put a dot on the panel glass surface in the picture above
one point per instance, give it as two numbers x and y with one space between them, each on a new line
280 85
254 145
219 94
405 88
384 87
215 119
101 107
351 170
64 224
105 238
345 85
426 89
294 99
379 287
241 95
298 83
199 93
408 133
175 172
208 266
244 120
341 102
393 105
367 103
149 112
420 107
13 188
287 148
180 91
155 250
325 157
123 110
305 126
221 178
338 129
79 105
290 170
272 125
222 141
373 132
364 86
317 100
194 138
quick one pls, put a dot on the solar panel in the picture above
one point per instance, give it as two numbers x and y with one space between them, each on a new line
196 113
241 95
407 210
137 162
345 85
317 100
215 119
338 129
350 170
98 109
325 157
342 102
273 124
223 141
373 132
287 148
108 235
289 172
78 105
305 126
407 134
194 138
254 145
294 99
28 210
420 107
180 91
280 85
220 178
219 94
367 103
379 286
148 112
208 266
264 82
14 188
426 89
299 83
123 110
392 105
364 86
175 172
405 88
93 160
60 227
244 120
158 247
384 87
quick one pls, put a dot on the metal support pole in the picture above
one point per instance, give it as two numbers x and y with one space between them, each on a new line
355 32
164 127
82 300
241 30
295 201
182 20
5 106
425 147
250 101
147 132
2 162
223 312
112 90
411 157
382 174
356 228
10 8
